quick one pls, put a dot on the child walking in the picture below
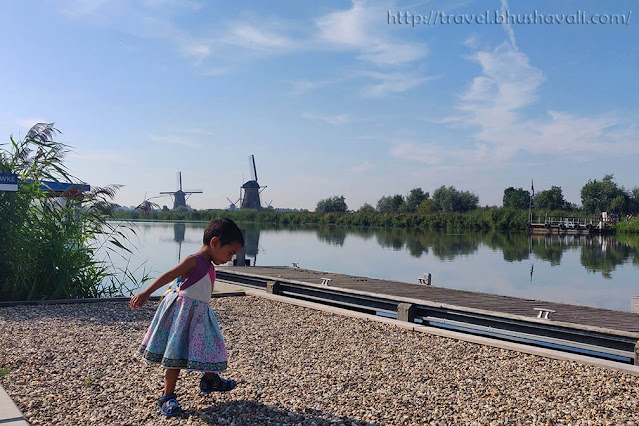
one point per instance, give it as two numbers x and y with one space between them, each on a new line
184 333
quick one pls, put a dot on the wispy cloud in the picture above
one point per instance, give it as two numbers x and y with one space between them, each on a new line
247 36
436 155
494 104
79 8
362 167
335 120
358 29
299 87
386 83
173 140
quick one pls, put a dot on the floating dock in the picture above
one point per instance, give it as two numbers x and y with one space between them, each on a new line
597 332
569 226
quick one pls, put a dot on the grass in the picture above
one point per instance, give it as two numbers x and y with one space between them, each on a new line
4 371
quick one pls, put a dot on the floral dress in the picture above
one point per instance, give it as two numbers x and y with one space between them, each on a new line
184 333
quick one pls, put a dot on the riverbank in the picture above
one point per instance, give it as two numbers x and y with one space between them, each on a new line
480 219
75 364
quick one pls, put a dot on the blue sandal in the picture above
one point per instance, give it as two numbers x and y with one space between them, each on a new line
216 384
170 407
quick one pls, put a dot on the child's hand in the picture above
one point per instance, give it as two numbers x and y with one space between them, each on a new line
137 300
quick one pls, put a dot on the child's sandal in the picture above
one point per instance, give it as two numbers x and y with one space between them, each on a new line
216 384
170 407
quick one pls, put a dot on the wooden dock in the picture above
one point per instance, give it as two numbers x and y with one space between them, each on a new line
581 316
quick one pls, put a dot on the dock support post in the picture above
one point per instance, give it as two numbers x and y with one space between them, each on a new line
273 287
636 361
634 304
406 312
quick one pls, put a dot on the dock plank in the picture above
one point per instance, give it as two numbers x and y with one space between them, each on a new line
576 314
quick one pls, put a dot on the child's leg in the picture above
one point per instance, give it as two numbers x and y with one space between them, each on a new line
170 379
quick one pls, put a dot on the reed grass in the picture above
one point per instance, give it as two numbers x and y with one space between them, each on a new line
49 244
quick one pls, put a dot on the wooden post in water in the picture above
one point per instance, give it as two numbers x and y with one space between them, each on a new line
634 304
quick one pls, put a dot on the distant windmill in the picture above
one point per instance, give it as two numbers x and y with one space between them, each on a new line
252 189
233 205
180 196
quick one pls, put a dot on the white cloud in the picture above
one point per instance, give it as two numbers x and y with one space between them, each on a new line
494 104
361 28
507 27
389 83
362 167
335 120
79 8
436 155
299 87
173 140
251 37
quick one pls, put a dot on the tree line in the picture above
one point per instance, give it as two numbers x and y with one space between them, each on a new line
597 196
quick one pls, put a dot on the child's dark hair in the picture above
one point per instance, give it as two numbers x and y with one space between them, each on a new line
225 229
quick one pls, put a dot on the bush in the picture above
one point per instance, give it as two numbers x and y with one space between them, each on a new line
49 244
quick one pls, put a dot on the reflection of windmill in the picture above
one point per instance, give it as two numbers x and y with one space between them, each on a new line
178 236
250 248
180 196
252 189
179 231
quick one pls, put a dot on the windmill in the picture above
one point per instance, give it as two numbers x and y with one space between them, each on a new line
180 196
233 205
252 189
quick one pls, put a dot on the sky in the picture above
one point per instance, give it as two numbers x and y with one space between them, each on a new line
356 98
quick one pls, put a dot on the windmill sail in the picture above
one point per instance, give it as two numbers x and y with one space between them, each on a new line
252 168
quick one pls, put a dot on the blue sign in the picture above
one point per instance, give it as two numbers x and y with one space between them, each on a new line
8 182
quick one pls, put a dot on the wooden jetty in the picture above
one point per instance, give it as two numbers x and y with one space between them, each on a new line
582 329
569 226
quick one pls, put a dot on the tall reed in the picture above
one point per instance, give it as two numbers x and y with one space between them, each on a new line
48 245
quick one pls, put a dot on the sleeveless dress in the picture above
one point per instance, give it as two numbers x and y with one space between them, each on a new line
184 333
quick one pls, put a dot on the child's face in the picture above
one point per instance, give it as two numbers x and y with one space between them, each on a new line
223 253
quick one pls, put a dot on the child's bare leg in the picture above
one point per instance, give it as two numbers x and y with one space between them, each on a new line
170 379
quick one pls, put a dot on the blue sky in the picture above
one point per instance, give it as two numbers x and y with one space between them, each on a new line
329 97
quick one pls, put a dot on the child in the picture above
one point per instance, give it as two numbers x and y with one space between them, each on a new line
184 333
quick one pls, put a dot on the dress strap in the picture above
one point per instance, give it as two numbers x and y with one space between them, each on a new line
202 267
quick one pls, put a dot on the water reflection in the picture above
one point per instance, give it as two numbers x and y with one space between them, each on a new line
594 271
598 254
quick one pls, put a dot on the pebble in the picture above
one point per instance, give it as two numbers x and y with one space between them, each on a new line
76 365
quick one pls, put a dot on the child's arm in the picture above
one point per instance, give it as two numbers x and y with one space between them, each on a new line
182 270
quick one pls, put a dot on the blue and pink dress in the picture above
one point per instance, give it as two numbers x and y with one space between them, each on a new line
184 333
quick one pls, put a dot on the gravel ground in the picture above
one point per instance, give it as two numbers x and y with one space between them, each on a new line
76 364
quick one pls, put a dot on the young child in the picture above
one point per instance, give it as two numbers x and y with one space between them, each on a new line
184 333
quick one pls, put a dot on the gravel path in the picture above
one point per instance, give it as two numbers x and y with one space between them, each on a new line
75 364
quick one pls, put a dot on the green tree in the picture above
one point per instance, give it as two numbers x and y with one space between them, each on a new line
426 207
551 199
335 204
415 198
516 198
366 208
391 204
452 200
597 196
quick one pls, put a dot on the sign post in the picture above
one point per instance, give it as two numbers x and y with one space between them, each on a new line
8 182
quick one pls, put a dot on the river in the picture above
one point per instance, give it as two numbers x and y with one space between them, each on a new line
593 271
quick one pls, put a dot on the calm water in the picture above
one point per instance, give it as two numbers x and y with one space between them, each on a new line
597 271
